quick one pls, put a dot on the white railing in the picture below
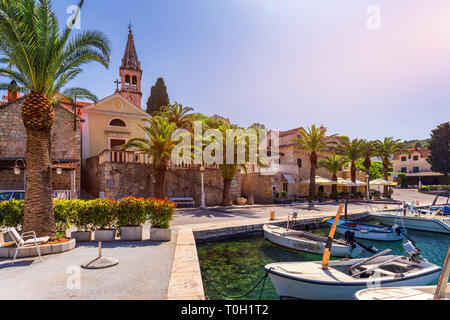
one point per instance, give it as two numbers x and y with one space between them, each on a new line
63 195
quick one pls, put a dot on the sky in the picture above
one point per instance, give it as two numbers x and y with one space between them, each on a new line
286 63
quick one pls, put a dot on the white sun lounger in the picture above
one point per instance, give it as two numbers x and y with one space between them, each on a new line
26 240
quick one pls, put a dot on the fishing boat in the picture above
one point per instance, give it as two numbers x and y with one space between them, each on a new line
309 281
411 218
369 231
340 280
439 292
308 242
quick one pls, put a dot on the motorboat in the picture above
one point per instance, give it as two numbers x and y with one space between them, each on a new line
342 279
369 231
414 219
308 242
439 292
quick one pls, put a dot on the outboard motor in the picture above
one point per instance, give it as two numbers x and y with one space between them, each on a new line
349 237
412 250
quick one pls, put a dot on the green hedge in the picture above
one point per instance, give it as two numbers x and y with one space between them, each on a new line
100 214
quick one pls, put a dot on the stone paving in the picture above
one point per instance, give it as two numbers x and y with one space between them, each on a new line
143 273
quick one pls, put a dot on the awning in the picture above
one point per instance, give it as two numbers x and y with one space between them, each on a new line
346 183
382 182
289 178
321 181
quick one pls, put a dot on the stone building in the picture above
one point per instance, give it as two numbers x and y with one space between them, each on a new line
66 146
417 168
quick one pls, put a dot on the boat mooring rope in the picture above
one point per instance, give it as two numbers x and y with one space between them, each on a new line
263 281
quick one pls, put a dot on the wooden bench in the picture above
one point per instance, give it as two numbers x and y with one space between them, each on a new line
183 201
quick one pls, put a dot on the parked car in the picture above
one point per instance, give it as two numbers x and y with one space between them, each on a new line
12 195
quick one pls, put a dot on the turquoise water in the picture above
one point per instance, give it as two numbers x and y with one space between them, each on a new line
234 267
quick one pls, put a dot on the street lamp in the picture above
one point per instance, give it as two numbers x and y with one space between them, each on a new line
59 169
17 171
368 186
203 204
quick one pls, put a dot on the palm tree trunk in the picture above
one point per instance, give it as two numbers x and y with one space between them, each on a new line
227 201
312 175
160 173
334 187
353 174
386 164
367 165
38 215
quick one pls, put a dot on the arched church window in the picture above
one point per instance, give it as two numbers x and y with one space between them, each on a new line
117 123
134 81
127 79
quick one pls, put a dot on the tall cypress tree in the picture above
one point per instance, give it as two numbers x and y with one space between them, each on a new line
158 97
440 149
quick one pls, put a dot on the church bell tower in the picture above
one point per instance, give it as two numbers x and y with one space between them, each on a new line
131 72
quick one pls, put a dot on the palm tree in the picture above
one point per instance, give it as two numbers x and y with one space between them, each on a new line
314 140
76 94
158 145
333 164
369 150
352 150
42 60
178 114
385 150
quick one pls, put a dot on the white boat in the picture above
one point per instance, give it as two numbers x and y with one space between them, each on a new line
411 218
307 242
342 279
439 292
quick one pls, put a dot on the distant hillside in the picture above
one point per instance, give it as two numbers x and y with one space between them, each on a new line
413 143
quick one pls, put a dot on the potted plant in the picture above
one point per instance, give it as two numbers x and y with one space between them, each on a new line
160 213
81 215
62 211
104 219
130 217
11 216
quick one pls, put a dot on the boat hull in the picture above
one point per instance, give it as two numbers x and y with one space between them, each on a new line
404 293
301 288
390 237
413 223
339 251
366 231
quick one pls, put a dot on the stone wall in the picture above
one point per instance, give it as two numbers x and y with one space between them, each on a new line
260 186
120 180
66 144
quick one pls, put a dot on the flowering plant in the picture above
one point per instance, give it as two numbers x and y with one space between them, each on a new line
131 212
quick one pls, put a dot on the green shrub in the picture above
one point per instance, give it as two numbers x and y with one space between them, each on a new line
63 213
131 212
284 194
102 214
11 214
160 212
425 188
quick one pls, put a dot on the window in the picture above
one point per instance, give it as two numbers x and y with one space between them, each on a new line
117 123
134 81
19 195
127 79
404 170
403 159
416 170
114 143
299 163
285 187
416 158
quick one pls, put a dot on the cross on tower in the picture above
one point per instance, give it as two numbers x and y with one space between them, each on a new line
130 25
117 82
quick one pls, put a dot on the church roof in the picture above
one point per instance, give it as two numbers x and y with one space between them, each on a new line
130 58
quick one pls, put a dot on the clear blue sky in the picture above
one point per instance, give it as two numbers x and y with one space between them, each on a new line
287 63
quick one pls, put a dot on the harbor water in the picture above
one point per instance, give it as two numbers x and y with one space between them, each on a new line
231 269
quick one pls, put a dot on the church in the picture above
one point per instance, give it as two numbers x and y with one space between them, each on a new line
110 122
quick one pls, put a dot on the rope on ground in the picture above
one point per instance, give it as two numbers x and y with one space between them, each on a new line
263 280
